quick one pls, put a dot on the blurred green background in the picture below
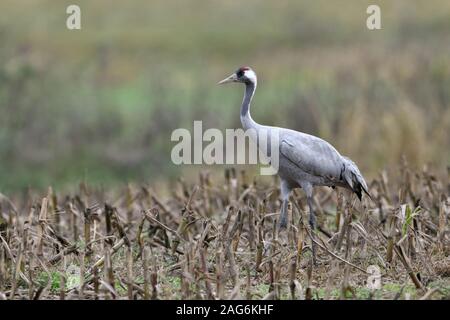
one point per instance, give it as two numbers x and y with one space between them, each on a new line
100 104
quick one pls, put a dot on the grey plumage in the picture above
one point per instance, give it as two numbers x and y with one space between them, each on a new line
304 160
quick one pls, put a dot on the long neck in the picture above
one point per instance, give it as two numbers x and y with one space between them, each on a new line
246 119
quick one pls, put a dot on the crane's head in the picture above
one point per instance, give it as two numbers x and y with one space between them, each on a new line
243 74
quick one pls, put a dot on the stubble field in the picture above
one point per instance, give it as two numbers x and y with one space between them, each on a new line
217 239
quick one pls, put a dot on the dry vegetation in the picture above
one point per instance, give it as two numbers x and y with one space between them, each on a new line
220 241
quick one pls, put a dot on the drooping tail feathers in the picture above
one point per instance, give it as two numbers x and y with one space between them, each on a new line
354 178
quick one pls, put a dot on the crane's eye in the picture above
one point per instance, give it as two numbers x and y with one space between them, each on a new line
240 73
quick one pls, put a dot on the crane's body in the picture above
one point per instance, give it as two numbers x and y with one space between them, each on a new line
305 161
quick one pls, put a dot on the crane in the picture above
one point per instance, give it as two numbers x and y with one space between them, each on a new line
305 161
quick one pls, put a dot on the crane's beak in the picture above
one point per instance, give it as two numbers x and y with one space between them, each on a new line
232 78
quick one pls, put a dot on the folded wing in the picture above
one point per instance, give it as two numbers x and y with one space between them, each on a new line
312 155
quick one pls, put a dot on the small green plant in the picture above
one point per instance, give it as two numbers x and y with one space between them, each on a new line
73 277
54 278
409 216
120 289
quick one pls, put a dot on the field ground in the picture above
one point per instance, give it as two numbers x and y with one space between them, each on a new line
218 240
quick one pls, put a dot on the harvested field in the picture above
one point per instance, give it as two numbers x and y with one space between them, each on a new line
218 240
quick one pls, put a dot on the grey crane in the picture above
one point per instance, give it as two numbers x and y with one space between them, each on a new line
305 161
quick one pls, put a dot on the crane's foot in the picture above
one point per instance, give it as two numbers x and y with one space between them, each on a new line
283 215
314 259
283 223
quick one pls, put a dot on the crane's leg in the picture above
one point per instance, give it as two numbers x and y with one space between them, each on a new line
312 217
313 225
285 192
